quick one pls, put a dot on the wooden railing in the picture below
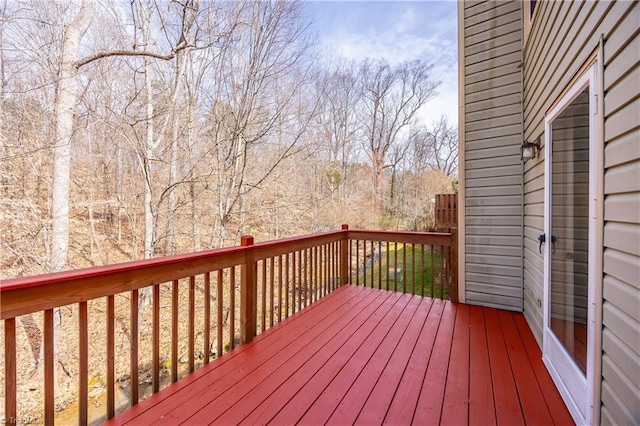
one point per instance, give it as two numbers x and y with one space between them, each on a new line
409 262
199 305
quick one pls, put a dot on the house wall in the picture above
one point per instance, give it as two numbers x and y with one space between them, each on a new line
563 36
491 42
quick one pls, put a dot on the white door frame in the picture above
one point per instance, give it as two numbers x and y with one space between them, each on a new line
568 378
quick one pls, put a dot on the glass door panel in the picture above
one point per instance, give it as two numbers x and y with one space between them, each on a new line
569 228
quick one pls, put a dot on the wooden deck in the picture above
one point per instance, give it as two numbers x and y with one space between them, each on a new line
369 356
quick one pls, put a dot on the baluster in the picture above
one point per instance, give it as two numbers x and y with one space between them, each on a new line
192 322
395 266
324 282
111 371
174 330
422 270
49 372
413 268
312 279
358 262
441 274
155 358
11 406
264 294
133 349
350 262
404 268
219 329
286 283
304 255
296 281
232 313
315 267
279 288
388 256
83 363
431 275
379 264
272 265
207 317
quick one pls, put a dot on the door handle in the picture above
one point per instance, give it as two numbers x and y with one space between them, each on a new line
543 239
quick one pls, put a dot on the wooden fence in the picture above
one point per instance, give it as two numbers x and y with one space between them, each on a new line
446 211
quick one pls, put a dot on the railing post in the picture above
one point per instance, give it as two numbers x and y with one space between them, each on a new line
453 264
248 293
10 381
344 256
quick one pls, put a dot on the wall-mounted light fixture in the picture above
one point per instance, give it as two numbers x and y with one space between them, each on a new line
530 150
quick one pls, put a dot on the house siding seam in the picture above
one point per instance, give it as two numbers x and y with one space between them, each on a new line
493 168
562 38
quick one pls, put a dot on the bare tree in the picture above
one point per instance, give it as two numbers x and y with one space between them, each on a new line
392 95
337 123
4 17
55 45
258 80
436 147
67 94
415 205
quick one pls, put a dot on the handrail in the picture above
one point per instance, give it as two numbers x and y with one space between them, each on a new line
271 280
67 287
434 238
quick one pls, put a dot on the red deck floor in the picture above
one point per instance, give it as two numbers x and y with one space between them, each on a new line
370 356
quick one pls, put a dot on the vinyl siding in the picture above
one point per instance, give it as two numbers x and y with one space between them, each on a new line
563 36
493 169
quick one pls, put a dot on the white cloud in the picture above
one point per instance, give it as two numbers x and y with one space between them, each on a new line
396 31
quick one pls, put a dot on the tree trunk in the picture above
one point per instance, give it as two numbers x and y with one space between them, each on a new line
67 94
195 218
149 223
172 197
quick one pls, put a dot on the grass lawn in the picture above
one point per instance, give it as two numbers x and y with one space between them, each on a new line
415 274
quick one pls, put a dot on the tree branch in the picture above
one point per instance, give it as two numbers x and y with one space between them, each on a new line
108 53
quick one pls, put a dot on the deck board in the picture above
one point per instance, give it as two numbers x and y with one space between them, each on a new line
532 402
552 398
404 403
505 393
455 406
293 396
481 403
379 400
359 390
347 369
244 394
368 356
429 405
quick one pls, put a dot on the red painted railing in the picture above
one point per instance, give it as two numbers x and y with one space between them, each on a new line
216 298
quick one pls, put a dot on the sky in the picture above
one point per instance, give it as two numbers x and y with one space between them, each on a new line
396 31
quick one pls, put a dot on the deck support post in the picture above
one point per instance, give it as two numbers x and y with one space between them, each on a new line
344 256
248 292
453 264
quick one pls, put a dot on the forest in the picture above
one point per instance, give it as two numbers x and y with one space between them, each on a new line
141 129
